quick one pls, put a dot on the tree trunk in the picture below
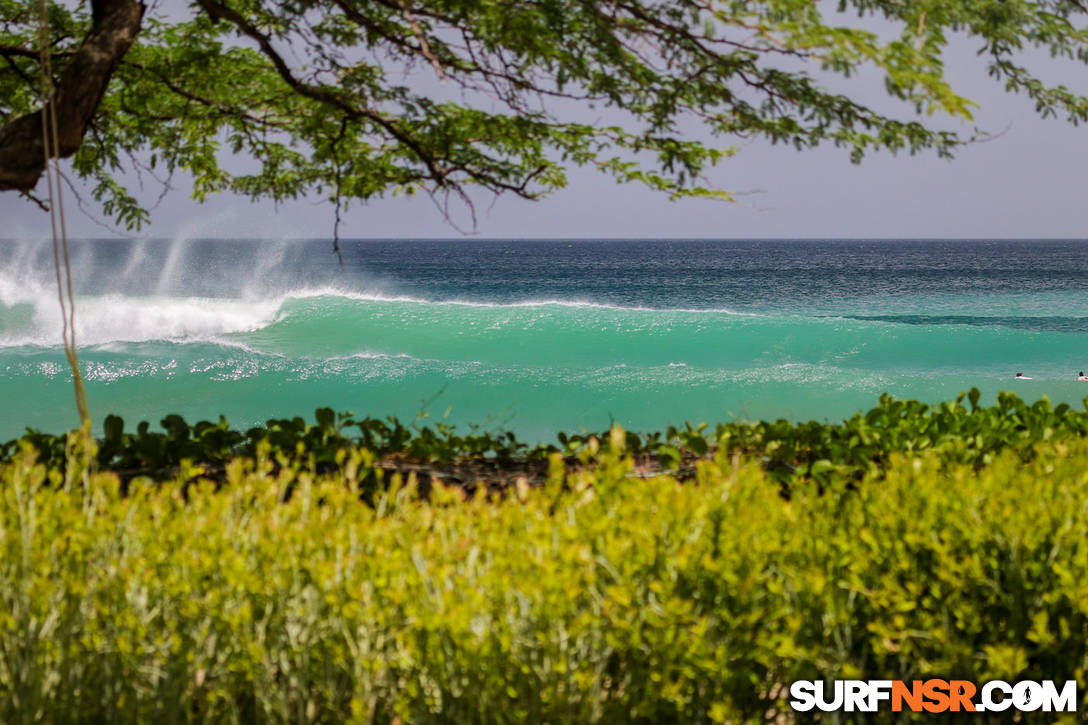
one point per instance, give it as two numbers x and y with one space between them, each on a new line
77 95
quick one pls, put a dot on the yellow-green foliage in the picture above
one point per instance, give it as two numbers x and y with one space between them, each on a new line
609 598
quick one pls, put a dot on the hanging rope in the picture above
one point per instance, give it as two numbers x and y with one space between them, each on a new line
339 190
51 149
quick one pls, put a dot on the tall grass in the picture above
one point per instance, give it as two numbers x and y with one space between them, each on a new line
598 597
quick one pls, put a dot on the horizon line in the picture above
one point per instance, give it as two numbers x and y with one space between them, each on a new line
472 238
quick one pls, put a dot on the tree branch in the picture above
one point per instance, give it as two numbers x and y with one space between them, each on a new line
17 51
223 108
78 93
217 11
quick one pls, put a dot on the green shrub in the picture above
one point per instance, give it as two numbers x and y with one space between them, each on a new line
789 451
595 598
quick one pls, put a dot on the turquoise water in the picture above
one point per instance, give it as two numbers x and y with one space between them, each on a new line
539 336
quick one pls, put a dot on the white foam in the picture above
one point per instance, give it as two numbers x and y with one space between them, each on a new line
116 318
575 304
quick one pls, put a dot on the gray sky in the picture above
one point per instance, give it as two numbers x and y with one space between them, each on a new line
1028 182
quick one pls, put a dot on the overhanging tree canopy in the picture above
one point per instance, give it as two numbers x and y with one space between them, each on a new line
359 98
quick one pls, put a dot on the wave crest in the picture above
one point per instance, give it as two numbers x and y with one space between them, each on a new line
109 319
30 314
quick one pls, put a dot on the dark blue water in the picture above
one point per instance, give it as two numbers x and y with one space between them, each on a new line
700 274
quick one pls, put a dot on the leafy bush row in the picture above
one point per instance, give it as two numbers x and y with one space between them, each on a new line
324 441
595 598
861 445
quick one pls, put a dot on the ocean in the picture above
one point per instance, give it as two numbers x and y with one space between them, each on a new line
538 336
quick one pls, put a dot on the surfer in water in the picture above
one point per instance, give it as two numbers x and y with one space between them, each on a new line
1081 376
1020 376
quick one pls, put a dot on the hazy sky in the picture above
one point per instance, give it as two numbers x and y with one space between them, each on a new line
1028 182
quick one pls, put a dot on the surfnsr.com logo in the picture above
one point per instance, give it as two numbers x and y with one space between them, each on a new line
932 696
